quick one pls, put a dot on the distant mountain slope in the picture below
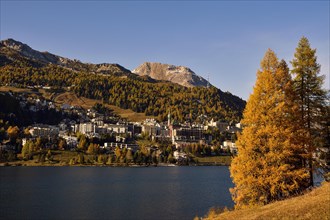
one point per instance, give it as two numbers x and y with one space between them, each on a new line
9 48
23 67
176 74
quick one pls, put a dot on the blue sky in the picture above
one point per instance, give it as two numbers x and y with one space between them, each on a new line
224 40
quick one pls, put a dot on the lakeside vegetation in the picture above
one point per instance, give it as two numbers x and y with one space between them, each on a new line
74 158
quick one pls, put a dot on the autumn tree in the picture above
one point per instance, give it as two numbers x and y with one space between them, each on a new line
269 164
80 158
13 132
82 142
26 133
129 156
93 148
101 159
311 97
118 154
62 144
111 159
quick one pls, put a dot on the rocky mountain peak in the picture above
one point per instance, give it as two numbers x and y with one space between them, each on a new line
177 74
30 53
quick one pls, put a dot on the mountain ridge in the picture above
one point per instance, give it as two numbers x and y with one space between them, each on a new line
153 70
115 85
45 58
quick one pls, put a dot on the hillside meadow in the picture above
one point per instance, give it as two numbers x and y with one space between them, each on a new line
312 205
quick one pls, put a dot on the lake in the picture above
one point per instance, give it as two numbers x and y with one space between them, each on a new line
112 193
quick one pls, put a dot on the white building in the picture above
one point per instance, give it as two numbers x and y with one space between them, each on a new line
41 130
151 127
222 126
84 128
231 145
177 155
239 125
118 128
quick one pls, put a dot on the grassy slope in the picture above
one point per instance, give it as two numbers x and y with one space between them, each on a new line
312 205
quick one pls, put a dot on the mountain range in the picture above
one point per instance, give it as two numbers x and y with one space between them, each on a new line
152 88
158 71
9 47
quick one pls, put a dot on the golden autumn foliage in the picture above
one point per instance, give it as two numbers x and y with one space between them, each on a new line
13 132
270 164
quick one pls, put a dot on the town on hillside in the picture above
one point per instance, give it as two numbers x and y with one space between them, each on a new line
98 136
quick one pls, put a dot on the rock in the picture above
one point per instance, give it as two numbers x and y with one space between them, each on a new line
176 74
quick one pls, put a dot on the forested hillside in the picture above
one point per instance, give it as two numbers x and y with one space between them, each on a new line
120 88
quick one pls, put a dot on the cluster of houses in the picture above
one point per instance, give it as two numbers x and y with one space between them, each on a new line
180 135
93 125
34 104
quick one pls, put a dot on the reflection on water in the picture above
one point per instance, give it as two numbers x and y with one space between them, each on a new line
112 193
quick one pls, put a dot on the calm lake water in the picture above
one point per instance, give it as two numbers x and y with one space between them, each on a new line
112 193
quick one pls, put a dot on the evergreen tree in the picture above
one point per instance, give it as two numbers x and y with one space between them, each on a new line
269 164
311 97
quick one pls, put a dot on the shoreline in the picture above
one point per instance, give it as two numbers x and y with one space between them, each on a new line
35 164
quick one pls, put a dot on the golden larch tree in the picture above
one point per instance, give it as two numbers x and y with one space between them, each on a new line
269 165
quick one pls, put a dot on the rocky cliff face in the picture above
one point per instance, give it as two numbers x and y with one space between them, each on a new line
176 74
